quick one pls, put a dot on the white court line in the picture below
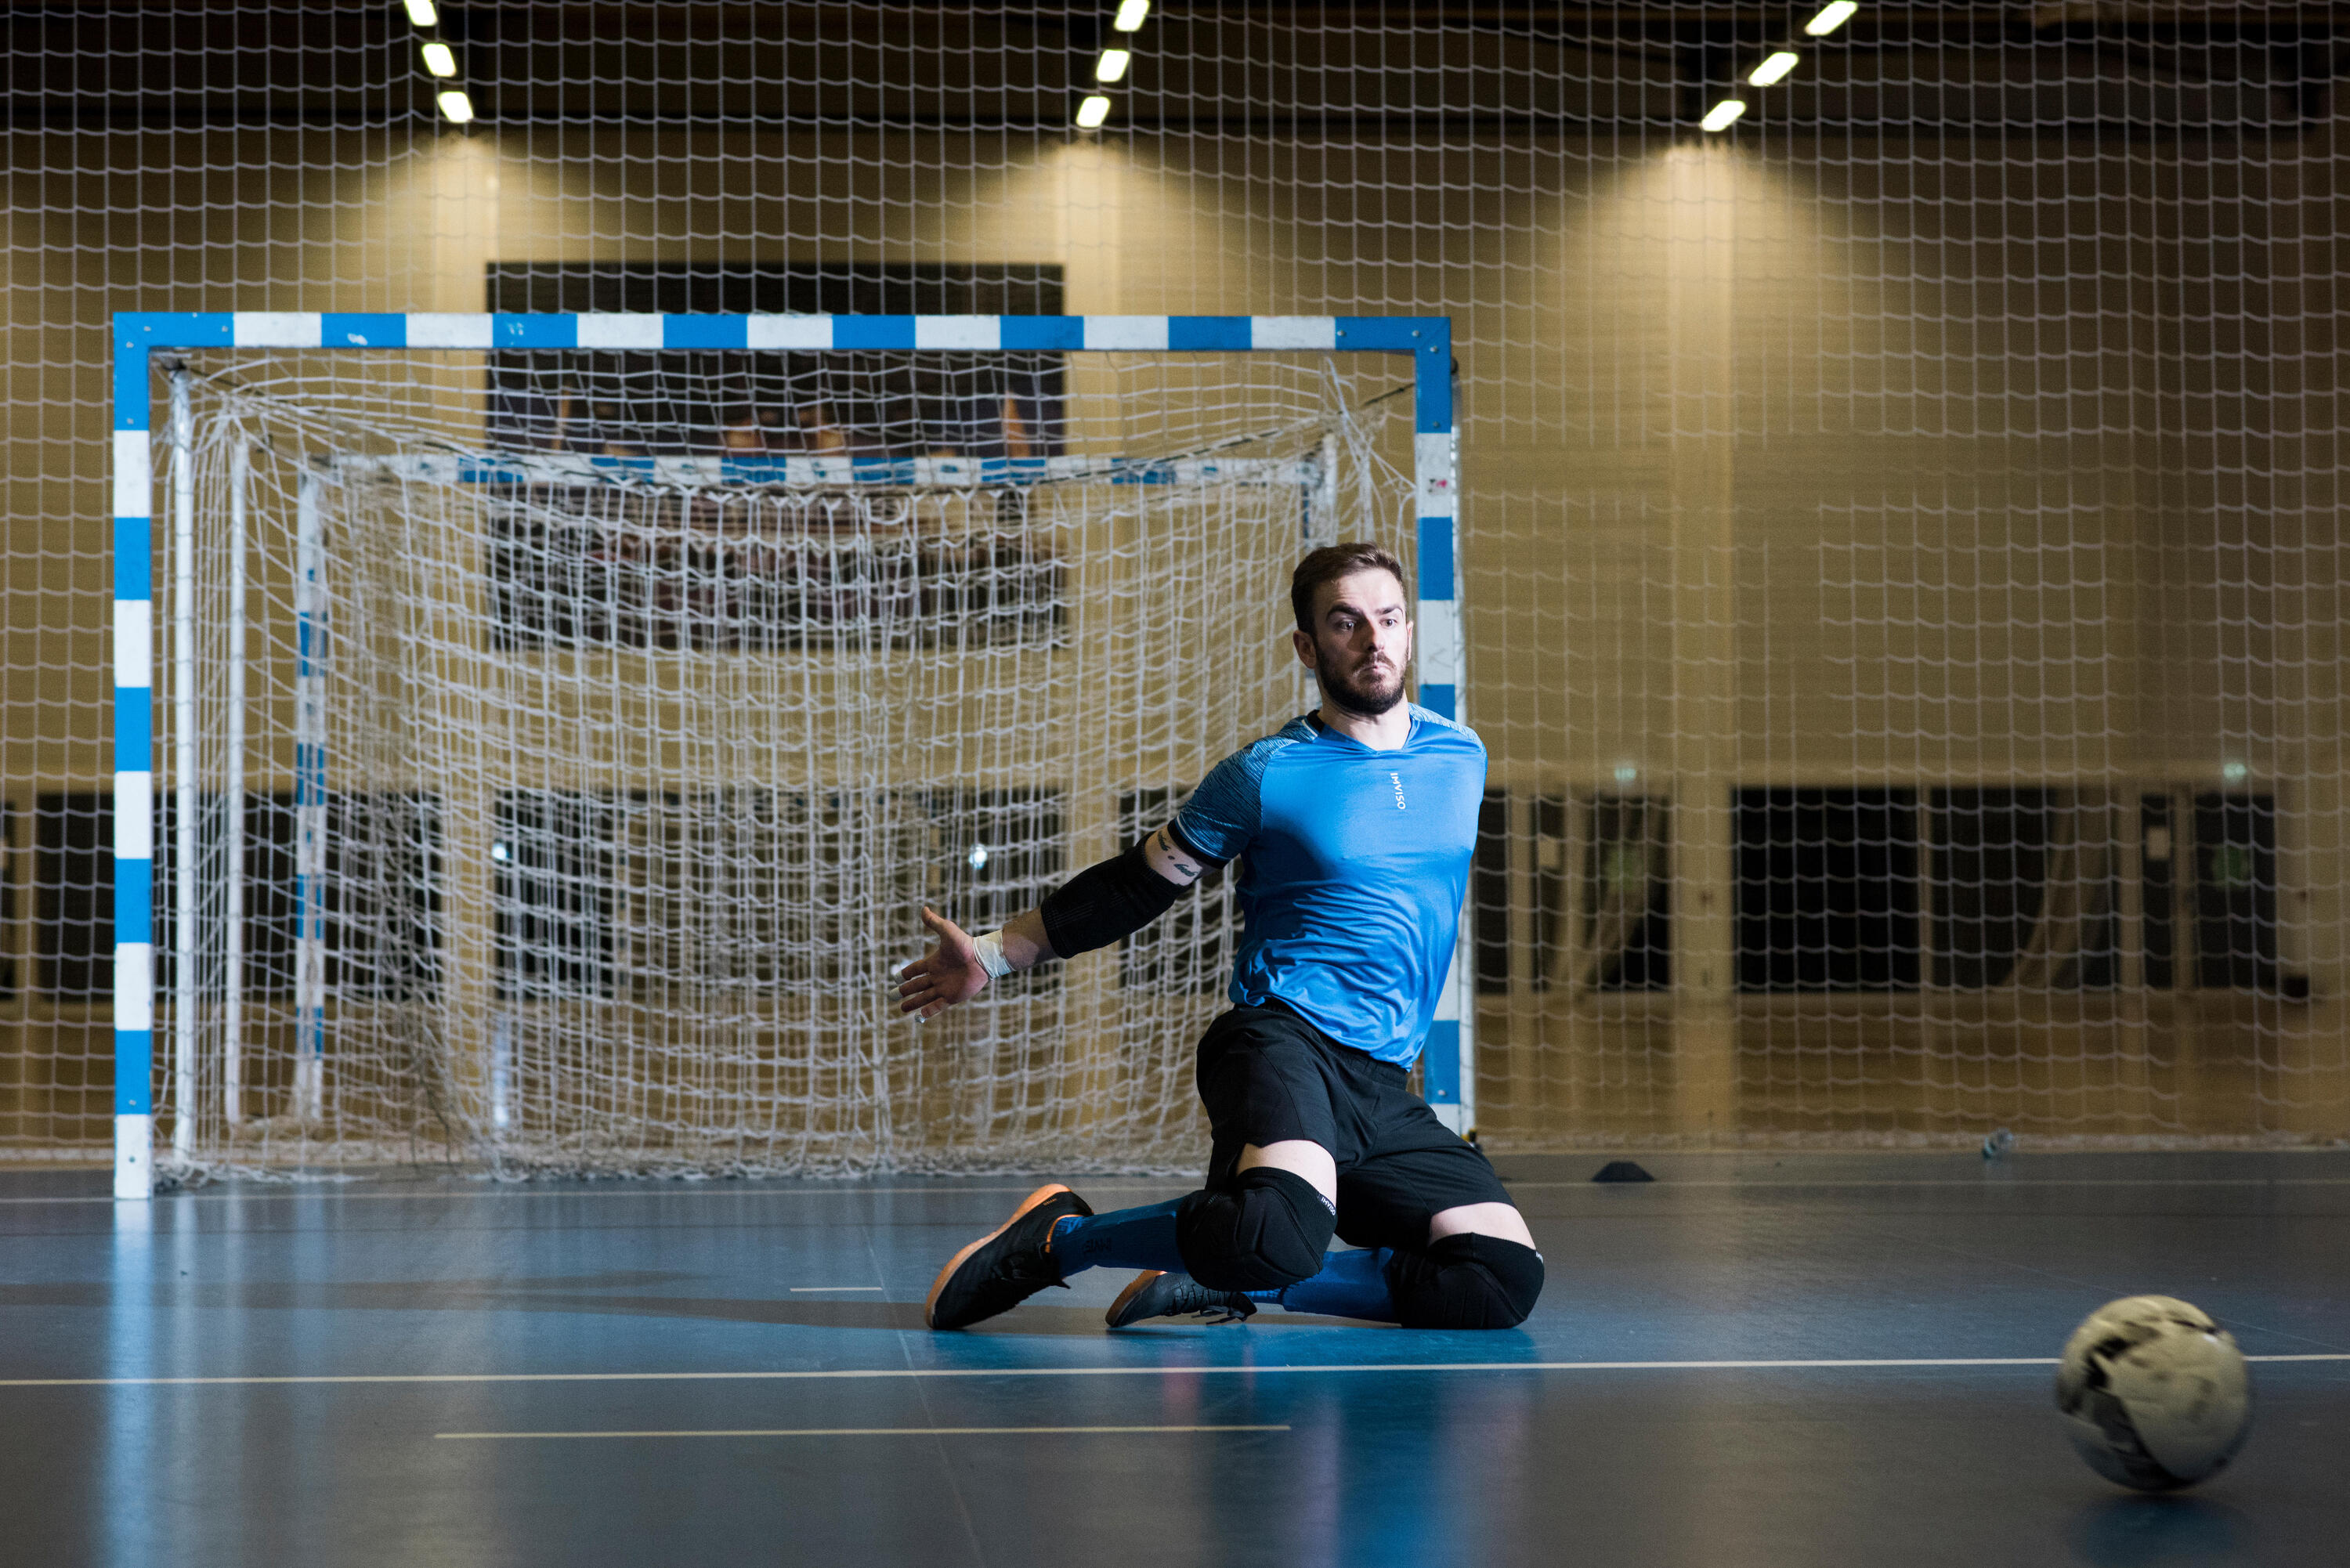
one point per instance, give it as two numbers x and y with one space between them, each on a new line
1244 1370
829 1289
1987 1184
862 1432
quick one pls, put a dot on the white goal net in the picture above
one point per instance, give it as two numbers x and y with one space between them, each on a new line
554 755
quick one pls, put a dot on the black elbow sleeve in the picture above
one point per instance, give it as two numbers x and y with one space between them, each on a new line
1106 902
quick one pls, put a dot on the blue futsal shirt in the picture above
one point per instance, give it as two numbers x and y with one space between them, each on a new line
1353 865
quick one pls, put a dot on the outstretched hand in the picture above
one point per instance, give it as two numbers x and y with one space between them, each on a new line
949 975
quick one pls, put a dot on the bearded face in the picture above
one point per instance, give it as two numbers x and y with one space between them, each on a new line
1362 640
1363 683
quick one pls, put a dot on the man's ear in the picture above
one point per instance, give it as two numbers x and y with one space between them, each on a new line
1304 644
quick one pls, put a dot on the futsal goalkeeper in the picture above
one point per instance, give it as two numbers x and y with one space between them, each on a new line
1354 824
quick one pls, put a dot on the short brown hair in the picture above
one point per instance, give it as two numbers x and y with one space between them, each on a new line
1330 563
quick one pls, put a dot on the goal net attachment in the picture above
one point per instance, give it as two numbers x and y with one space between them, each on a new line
537 735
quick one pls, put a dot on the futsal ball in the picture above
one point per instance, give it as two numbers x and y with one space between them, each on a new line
2153 1394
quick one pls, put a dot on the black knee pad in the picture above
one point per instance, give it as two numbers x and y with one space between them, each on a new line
1267 1230
1466 1281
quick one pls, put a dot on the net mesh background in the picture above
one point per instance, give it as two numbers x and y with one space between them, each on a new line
1900 565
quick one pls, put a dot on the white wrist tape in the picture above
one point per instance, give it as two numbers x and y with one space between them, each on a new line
991 954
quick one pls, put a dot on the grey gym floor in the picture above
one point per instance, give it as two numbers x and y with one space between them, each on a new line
448 1371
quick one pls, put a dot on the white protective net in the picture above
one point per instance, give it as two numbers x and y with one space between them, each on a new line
644 729
1900 565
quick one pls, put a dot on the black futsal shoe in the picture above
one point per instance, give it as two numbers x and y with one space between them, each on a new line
1004 1267
1155 1294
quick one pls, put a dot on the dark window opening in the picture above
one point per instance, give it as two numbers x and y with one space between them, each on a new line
73 896
2025 890
378 898
380 915
11 900
268 893
1627 894
2235 892
1489 894
1551 880
1826 889
994 854
2158 890
552 894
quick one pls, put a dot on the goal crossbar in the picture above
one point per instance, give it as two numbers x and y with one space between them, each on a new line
138 337
821 472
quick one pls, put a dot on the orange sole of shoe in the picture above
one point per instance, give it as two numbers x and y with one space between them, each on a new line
1139 1283
930 1303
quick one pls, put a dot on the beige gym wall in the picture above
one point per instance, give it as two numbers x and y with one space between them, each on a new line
1780 466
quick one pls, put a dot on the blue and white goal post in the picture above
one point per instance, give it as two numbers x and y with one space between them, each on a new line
1447 1076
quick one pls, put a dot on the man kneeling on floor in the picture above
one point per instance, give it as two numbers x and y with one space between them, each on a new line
1354 824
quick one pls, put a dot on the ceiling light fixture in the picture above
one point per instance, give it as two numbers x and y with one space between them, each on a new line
1112 65
440 59
1721 116
456 108
1092 113
421 13
1775 67
1831 18
1130 13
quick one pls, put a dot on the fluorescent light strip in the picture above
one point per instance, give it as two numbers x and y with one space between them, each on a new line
421 13
1130 13
440 59
1775 68
1092 113
1831 18
1721 116
1112 65
456 108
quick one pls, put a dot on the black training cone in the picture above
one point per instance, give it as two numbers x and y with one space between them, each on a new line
1622 1170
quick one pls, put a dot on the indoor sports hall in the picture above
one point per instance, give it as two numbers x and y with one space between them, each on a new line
1593 753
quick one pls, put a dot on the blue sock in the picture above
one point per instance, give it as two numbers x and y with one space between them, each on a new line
1351 1284
1124 1239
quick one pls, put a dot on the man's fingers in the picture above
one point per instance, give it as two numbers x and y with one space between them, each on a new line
929 985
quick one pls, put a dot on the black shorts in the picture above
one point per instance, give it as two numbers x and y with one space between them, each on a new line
1266 1076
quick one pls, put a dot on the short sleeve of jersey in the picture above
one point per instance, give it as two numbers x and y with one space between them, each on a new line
1217 823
